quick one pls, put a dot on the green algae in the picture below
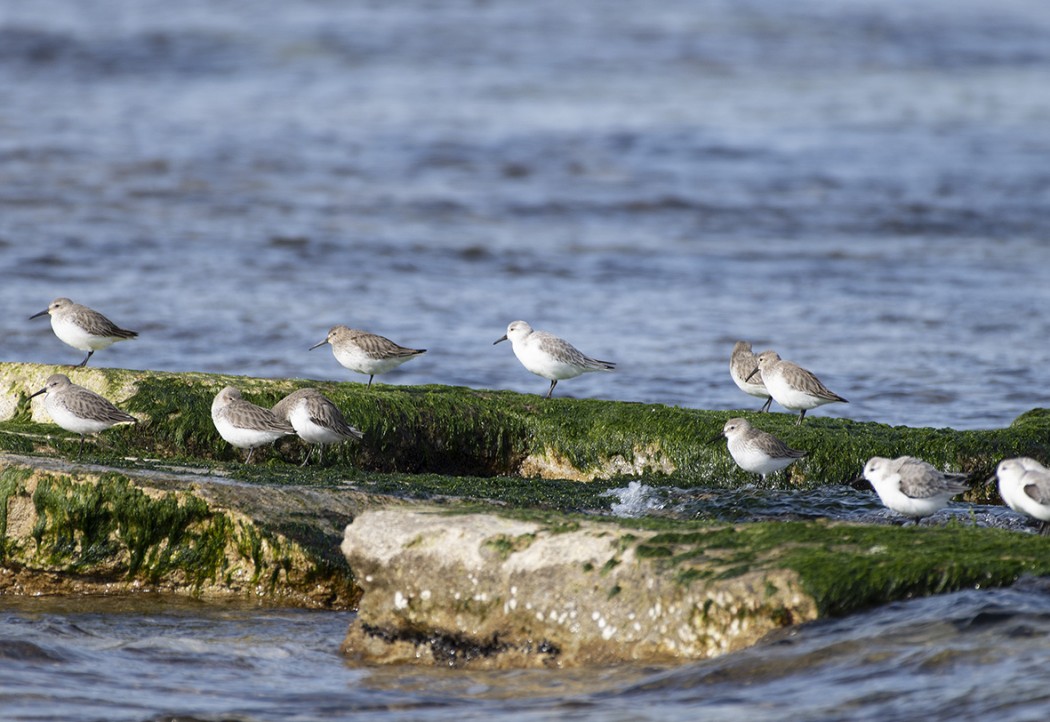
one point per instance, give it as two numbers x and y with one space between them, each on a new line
324 546
270 560
849 567
113 526
501 491
109 530
434 429
462 434
465 448
503 545
858 567
676 437
11 481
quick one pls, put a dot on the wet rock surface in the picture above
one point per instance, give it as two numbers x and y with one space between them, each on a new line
466 552
70 528
482 591
485 591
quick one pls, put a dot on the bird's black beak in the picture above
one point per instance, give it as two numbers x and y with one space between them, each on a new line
501 338
751 374
38 392
317 344
38 315
716 437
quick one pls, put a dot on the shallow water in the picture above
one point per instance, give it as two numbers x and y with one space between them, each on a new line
961 656
855 502
862 186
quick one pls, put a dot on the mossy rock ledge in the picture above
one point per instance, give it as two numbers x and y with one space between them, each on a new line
492 591
457 431
84 529
460 519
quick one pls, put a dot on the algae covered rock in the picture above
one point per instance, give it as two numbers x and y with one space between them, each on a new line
480 590
486 591
76 530
166 505
456 431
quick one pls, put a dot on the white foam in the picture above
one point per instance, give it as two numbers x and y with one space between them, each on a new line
636 500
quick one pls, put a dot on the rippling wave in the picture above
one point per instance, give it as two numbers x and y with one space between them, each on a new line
861 186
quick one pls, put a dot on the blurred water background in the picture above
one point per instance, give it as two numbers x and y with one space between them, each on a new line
861 185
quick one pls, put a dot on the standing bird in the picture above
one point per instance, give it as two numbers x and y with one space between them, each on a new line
79 410
757 451
82 327
911 486
366 353
316 419
742 365
243 424
1024 484
546 355
792 386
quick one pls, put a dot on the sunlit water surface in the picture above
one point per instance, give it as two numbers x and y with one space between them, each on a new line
862 186
963 656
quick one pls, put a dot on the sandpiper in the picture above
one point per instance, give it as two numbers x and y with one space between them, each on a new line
911 486
366 353
243 424
757 451
1024 484
742 365
83 328
79 410
316 419
546 355
792 386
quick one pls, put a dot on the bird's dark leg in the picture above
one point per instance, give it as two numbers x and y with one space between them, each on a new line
250 452
84 362
80 450
1044 529
554 382
371 376
309 450
765 406
801 415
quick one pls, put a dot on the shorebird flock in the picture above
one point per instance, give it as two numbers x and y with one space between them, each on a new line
906 485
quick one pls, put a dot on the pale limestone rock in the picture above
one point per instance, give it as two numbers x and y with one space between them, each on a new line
480 590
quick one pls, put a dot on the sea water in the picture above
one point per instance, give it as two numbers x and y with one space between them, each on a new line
861 186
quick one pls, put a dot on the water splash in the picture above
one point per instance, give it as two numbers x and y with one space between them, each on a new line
636 500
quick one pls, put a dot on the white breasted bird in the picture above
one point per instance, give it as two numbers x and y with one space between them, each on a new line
243 424
546 355
792 386
78 409
911 486
366 353
757 451
83 328
1024 484
316 419
742 365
